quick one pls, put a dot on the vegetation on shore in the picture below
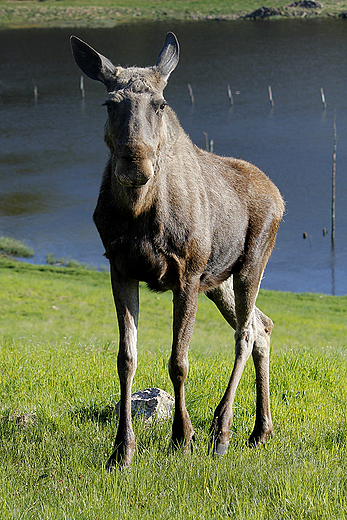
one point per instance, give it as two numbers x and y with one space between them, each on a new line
58 337
108 13
13 247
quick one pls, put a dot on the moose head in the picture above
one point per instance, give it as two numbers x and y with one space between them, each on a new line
136 128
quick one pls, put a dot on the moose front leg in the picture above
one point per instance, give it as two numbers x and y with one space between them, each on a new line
126 297
185 303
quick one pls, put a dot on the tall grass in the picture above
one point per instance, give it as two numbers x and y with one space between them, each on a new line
58 370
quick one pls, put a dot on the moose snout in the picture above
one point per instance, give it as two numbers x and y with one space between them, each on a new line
134 168
134 174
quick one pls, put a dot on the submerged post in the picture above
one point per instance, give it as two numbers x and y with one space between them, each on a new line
270 96
230 96
323 98
35 90
333 184
83 93
191 93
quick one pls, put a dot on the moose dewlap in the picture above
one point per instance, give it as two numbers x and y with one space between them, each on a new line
181 219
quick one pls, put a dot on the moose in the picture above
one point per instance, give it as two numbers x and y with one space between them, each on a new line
180 218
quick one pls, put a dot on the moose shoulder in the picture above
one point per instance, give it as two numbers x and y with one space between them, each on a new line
185 220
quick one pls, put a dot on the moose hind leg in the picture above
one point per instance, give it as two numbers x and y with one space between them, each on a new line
254 338
261 354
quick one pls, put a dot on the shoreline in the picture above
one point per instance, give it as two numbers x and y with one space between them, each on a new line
16 14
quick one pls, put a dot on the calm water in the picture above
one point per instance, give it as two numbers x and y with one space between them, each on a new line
52 152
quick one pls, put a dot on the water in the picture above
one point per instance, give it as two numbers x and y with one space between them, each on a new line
52 152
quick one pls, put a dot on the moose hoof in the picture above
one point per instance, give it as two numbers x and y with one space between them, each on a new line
185 444
121 457
117 461
220 449
260 438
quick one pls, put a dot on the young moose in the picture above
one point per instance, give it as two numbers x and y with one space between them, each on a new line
185 220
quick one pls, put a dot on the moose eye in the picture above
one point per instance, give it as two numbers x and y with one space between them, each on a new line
158 104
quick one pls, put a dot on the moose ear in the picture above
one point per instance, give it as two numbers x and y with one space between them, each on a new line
169 56
93 64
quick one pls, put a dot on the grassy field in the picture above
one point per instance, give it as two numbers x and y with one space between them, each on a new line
107 13
58 387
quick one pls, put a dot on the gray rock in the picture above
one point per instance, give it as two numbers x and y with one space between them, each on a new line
150 403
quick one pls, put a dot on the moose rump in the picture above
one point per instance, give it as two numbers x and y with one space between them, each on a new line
185 220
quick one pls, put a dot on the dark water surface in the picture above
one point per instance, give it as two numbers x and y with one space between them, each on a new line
52 152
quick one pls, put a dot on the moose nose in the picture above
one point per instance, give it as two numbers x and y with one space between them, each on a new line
134 173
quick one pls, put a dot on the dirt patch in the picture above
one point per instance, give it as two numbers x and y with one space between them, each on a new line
23 419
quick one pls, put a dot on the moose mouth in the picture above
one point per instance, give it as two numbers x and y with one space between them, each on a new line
133 174
129 184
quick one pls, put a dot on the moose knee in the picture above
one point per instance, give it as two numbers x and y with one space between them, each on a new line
244 343
178 369
264 326
263 322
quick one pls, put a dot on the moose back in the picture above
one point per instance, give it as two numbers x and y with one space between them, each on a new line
182 219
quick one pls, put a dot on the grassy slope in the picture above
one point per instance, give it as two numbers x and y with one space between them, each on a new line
55 302
48 13
57 358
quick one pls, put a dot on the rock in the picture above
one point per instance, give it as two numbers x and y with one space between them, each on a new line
343 15
263 12
307 4
150 403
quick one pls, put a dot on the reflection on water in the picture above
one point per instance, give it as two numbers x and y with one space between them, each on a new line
333 261
17 203
52 152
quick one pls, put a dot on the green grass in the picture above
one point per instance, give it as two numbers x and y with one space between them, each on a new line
14 247
58 338
102 13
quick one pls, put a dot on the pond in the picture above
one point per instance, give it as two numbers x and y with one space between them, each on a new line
52 152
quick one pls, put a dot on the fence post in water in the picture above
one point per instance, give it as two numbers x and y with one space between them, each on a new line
230 96
323 97
83 93
35 90
270 96
206 140
333 184
211 146
191 93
